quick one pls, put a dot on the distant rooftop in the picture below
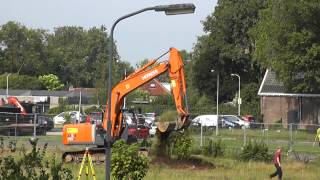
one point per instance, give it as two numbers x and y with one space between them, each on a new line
16 92
271 86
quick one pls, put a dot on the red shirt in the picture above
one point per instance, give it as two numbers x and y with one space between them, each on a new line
277 155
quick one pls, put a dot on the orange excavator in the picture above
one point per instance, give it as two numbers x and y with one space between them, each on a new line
87 133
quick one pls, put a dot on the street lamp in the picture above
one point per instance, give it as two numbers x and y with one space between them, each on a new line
217 126
173 9
239 98
7 92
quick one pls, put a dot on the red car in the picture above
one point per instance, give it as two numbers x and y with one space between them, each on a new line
139 131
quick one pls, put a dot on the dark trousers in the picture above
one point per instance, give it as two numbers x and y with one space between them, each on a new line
278 172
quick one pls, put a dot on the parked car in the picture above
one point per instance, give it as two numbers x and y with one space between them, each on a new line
61 118
150 117
248 118
206 120
141 119
234 121
95 118
139 131
46 122
153 129
229 122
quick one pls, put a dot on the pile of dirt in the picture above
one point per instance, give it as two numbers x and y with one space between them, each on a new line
192 163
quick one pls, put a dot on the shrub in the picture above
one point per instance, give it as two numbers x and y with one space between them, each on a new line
214 148
126 162
257 151
32 165
182 146
168 116
179 144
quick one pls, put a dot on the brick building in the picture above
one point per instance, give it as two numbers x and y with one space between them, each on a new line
278 104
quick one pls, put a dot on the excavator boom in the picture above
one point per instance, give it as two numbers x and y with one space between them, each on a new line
143 75
86 133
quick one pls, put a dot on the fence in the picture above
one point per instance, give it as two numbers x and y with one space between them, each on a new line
292 137
15 124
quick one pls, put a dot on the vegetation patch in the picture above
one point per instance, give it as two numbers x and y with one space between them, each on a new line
193 162
256 151
30 165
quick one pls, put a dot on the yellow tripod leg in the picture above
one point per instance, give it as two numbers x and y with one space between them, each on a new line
82 163
91 167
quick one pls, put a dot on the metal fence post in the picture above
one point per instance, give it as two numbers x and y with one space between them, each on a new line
201 136
244 136
290 136
34 125
15 127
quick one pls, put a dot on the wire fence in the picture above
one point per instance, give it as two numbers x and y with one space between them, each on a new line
292 137
16 124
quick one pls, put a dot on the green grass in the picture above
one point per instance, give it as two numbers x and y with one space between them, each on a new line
226 168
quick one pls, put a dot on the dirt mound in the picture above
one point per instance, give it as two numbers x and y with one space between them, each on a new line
192 163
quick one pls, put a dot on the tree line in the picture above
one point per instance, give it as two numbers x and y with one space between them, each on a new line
78 57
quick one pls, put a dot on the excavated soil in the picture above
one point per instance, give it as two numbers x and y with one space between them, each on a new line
192 163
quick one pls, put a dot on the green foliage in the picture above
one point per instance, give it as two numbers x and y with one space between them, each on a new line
226 48
76 55
214 148
92 109
32 165
256 151
287 41
182 146
51 82
126 162
168 116
16 81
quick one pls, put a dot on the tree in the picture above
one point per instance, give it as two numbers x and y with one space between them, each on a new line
287 41
22 50
226 48
51 82
17 81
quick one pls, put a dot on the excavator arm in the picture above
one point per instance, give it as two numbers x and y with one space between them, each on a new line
143 75
87 133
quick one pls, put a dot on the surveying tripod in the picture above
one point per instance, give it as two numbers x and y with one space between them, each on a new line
87 160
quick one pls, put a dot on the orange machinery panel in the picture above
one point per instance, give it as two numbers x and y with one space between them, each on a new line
83 133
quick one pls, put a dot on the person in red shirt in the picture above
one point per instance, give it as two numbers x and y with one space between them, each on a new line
277 163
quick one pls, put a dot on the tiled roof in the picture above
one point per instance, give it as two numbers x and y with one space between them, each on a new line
271 86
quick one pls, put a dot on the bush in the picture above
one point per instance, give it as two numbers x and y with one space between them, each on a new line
257 151
214 148
32 165
168 116
126 162
182 146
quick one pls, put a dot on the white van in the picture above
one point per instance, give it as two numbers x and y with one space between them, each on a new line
205 120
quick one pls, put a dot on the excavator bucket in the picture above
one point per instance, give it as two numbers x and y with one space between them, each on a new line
166 127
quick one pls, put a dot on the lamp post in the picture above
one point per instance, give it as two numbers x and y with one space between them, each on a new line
217 126
7 92
239 97
173 9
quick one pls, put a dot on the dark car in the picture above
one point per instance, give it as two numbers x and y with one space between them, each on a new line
46 122
229 122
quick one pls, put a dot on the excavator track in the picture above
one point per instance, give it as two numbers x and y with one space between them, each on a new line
97 155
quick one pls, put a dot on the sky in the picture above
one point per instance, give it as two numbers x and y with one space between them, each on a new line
146 35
